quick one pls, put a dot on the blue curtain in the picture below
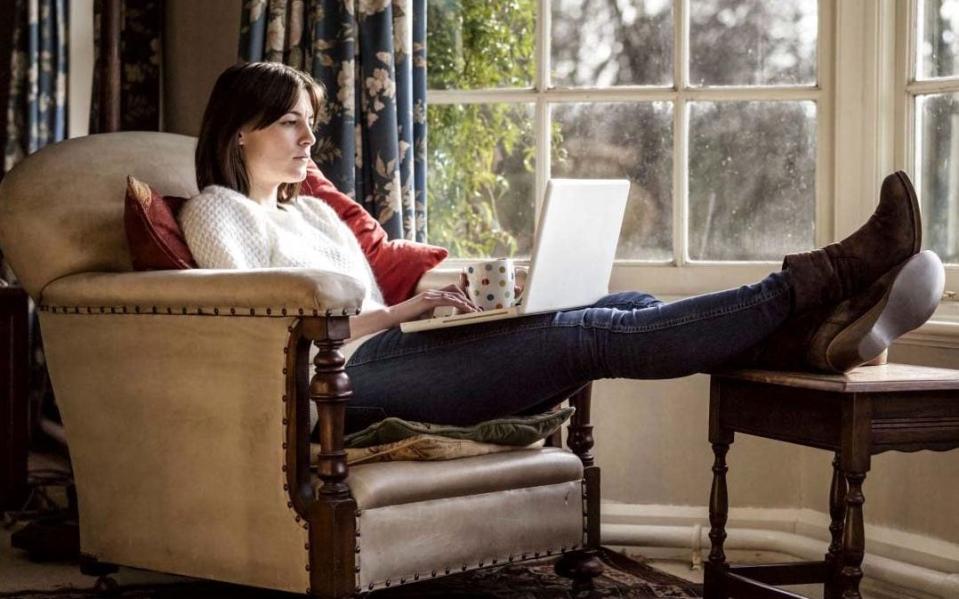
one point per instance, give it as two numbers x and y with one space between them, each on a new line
33 100
36 100
371 57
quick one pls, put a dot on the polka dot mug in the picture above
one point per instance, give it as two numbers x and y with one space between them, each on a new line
491 283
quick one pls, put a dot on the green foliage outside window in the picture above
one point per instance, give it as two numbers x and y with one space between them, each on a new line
476 45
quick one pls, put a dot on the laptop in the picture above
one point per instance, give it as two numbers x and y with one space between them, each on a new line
572 257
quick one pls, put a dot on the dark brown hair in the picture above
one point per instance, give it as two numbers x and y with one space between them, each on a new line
255 94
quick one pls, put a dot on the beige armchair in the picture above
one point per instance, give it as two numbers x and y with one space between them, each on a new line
184 396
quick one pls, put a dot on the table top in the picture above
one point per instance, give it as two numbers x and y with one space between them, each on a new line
865 379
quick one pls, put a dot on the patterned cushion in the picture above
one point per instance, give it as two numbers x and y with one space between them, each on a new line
516 431
422 448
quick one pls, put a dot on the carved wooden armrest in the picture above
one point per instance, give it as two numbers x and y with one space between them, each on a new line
330 511
329 388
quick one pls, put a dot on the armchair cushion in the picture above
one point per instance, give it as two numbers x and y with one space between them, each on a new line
395 483
513 430
153 234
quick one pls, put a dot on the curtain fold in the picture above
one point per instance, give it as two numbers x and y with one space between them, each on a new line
33 99
371 57
35 102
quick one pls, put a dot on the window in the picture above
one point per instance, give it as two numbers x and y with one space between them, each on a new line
716 110
932 111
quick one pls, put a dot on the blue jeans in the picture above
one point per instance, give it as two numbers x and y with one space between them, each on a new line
465 375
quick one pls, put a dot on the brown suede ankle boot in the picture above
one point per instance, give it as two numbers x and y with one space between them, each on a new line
893 233
838 338
863 326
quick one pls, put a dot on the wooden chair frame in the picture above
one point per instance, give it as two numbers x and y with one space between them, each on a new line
329 511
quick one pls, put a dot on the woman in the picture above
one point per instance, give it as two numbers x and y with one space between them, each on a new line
832 308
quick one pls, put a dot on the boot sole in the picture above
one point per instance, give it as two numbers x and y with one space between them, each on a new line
914 201
908 303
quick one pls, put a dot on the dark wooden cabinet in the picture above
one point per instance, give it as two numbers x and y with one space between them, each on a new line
14 406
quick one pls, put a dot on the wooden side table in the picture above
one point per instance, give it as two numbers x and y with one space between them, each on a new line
865 412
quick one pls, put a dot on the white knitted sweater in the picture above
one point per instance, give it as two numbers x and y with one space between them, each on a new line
226 229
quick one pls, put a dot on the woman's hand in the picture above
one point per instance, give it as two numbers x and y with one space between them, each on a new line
425 303
373 321
522 273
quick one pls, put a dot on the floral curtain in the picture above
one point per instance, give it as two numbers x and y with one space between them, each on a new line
141 26
33 113
35 98
371 57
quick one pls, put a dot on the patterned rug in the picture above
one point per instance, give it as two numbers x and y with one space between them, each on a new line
623 577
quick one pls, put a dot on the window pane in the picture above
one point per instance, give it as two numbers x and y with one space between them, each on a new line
938 157
939 38
752 42
474 45
612 42
620 140
752 179
480 185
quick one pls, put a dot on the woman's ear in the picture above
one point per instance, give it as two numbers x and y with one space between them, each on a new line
239 138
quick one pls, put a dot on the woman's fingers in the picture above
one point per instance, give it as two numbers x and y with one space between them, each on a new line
457 292
441 297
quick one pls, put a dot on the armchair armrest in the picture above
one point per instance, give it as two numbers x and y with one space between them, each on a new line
268 291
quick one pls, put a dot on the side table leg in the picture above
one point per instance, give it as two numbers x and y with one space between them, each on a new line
715 587
837 512
853 538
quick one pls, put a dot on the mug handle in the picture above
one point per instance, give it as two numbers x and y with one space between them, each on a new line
522 294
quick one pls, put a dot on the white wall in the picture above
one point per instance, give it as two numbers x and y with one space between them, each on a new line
80 77
201 41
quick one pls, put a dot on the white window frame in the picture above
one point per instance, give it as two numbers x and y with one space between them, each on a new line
679 276
900 114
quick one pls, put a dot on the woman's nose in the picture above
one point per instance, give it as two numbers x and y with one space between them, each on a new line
308 138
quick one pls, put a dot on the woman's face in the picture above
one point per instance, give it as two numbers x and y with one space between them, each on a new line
279 152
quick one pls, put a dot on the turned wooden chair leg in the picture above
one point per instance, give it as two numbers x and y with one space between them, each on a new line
837 513
91 566
715 587
583 566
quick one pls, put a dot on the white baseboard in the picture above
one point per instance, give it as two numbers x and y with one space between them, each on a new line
895 560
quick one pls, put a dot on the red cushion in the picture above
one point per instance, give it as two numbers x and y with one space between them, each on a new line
397 265
153 234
